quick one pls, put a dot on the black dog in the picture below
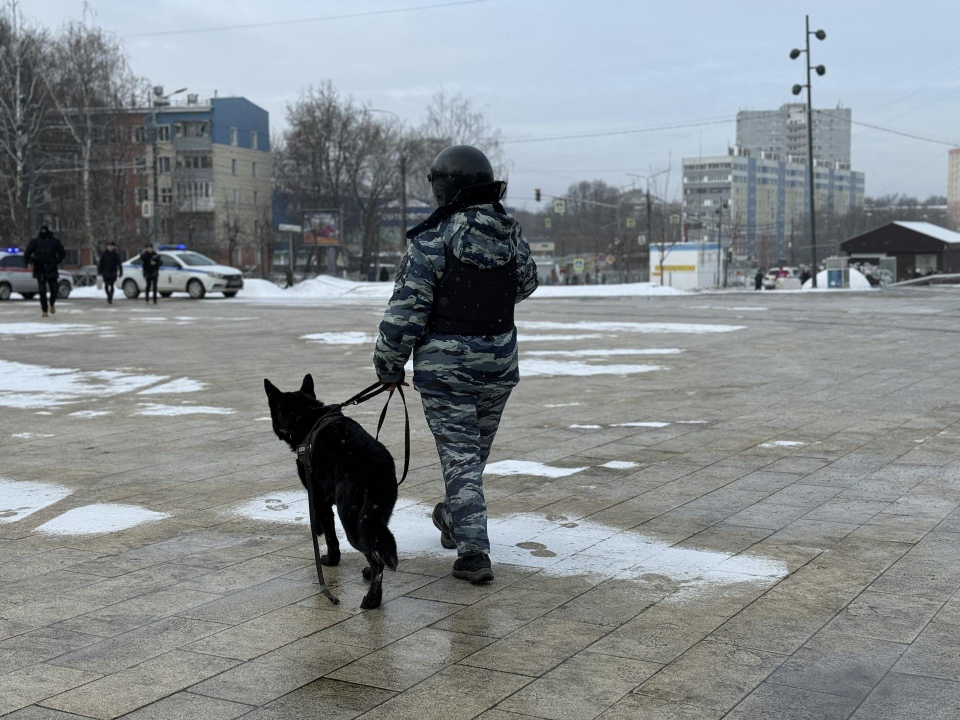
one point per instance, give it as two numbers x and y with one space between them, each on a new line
349 469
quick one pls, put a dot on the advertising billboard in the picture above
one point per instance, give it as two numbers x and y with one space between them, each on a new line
321 227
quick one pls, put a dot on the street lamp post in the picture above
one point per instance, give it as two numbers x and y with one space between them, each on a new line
797 89
160 100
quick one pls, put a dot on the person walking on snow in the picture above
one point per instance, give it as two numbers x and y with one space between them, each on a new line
44 254
110 268
151 270
466 267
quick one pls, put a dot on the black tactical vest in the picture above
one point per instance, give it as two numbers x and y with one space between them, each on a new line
473 301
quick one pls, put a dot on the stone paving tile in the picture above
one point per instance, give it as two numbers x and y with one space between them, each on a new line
659 634
647 707
36 683
733 673
391 621
39 645
580 688
35 712
253 602
412 659
839 664
188 706
500 614
324 698
909 697
537 647
935 653
883 616
474 690
279 672
125 691
777 702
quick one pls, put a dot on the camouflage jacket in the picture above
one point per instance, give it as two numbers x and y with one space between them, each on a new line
478 235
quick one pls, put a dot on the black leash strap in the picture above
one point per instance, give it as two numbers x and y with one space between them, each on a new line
406 430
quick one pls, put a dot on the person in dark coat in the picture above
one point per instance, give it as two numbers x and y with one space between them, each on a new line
110 268
758 280
804 276
384 275
151 270
44 254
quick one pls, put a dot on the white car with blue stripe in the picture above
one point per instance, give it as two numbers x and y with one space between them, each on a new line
182 270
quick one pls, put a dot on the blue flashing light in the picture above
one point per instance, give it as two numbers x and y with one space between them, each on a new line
12 250
171 247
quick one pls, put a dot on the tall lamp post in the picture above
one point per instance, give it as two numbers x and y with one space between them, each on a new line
159 100
648 178
797 89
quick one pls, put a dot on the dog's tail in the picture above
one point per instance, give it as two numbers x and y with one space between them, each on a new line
375 532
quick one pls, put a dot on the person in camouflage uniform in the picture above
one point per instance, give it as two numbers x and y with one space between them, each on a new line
452 306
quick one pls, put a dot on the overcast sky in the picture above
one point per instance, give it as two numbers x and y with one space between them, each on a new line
555 67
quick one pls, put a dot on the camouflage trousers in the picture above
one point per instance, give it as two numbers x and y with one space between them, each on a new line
464 425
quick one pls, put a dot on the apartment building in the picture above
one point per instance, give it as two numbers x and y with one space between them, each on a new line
783 132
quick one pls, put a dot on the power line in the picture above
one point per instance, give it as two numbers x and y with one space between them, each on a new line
632 131
889 130
301 21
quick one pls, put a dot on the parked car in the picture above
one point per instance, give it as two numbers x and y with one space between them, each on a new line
182 270
16 277
774 274
85 276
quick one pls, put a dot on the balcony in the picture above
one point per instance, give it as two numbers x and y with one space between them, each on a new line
182 144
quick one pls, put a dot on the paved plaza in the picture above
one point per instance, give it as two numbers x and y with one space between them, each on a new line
701 507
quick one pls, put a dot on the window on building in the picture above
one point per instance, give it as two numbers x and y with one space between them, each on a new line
233 136
163 133
236 196
139 134
166 196
143 194
254 169
139 165
163 164
233 166
254 140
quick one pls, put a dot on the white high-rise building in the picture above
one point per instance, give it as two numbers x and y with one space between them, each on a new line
783 133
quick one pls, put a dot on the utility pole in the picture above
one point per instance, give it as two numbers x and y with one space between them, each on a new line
719 244
797 89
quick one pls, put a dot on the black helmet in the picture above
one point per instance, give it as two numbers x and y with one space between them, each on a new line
459 167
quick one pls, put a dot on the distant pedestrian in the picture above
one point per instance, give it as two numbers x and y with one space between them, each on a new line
384 275
758 280
804 276
151 270
44 255
289 274
110 268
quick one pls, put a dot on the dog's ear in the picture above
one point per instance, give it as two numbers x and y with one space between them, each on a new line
307 387
272 390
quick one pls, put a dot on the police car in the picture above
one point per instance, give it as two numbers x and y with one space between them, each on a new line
182 270
16 277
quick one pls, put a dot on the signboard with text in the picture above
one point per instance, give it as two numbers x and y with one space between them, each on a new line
321 227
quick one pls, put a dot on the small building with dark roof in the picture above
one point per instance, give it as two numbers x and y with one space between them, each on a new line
918 247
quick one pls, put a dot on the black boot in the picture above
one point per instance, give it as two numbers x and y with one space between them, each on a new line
474 567
446 537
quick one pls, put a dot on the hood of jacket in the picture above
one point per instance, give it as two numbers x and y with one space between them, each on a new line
481 236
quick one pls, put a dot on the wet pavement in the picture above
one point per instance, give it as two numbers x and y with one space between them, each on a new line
701 507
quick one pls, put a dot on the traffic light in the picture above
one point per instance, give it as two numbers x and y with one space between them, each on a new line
537 193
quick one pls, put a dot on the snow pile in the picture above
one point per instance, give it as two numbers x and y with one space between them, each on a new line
99 518
18 499
858 281
258 288
37 386
326 286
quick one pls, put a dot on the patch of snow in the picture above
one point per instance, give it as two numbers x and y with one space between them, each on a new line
605 353
99 518
562 548
782 443
635 327
642 289
21 498
263 419
642 424
260 288
89 413
180 385
45 329
740 308
619 465
340 338
585 427
691 422
523 338
526 467
556 405
158 410
579 369
858 281
30 435
37 386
